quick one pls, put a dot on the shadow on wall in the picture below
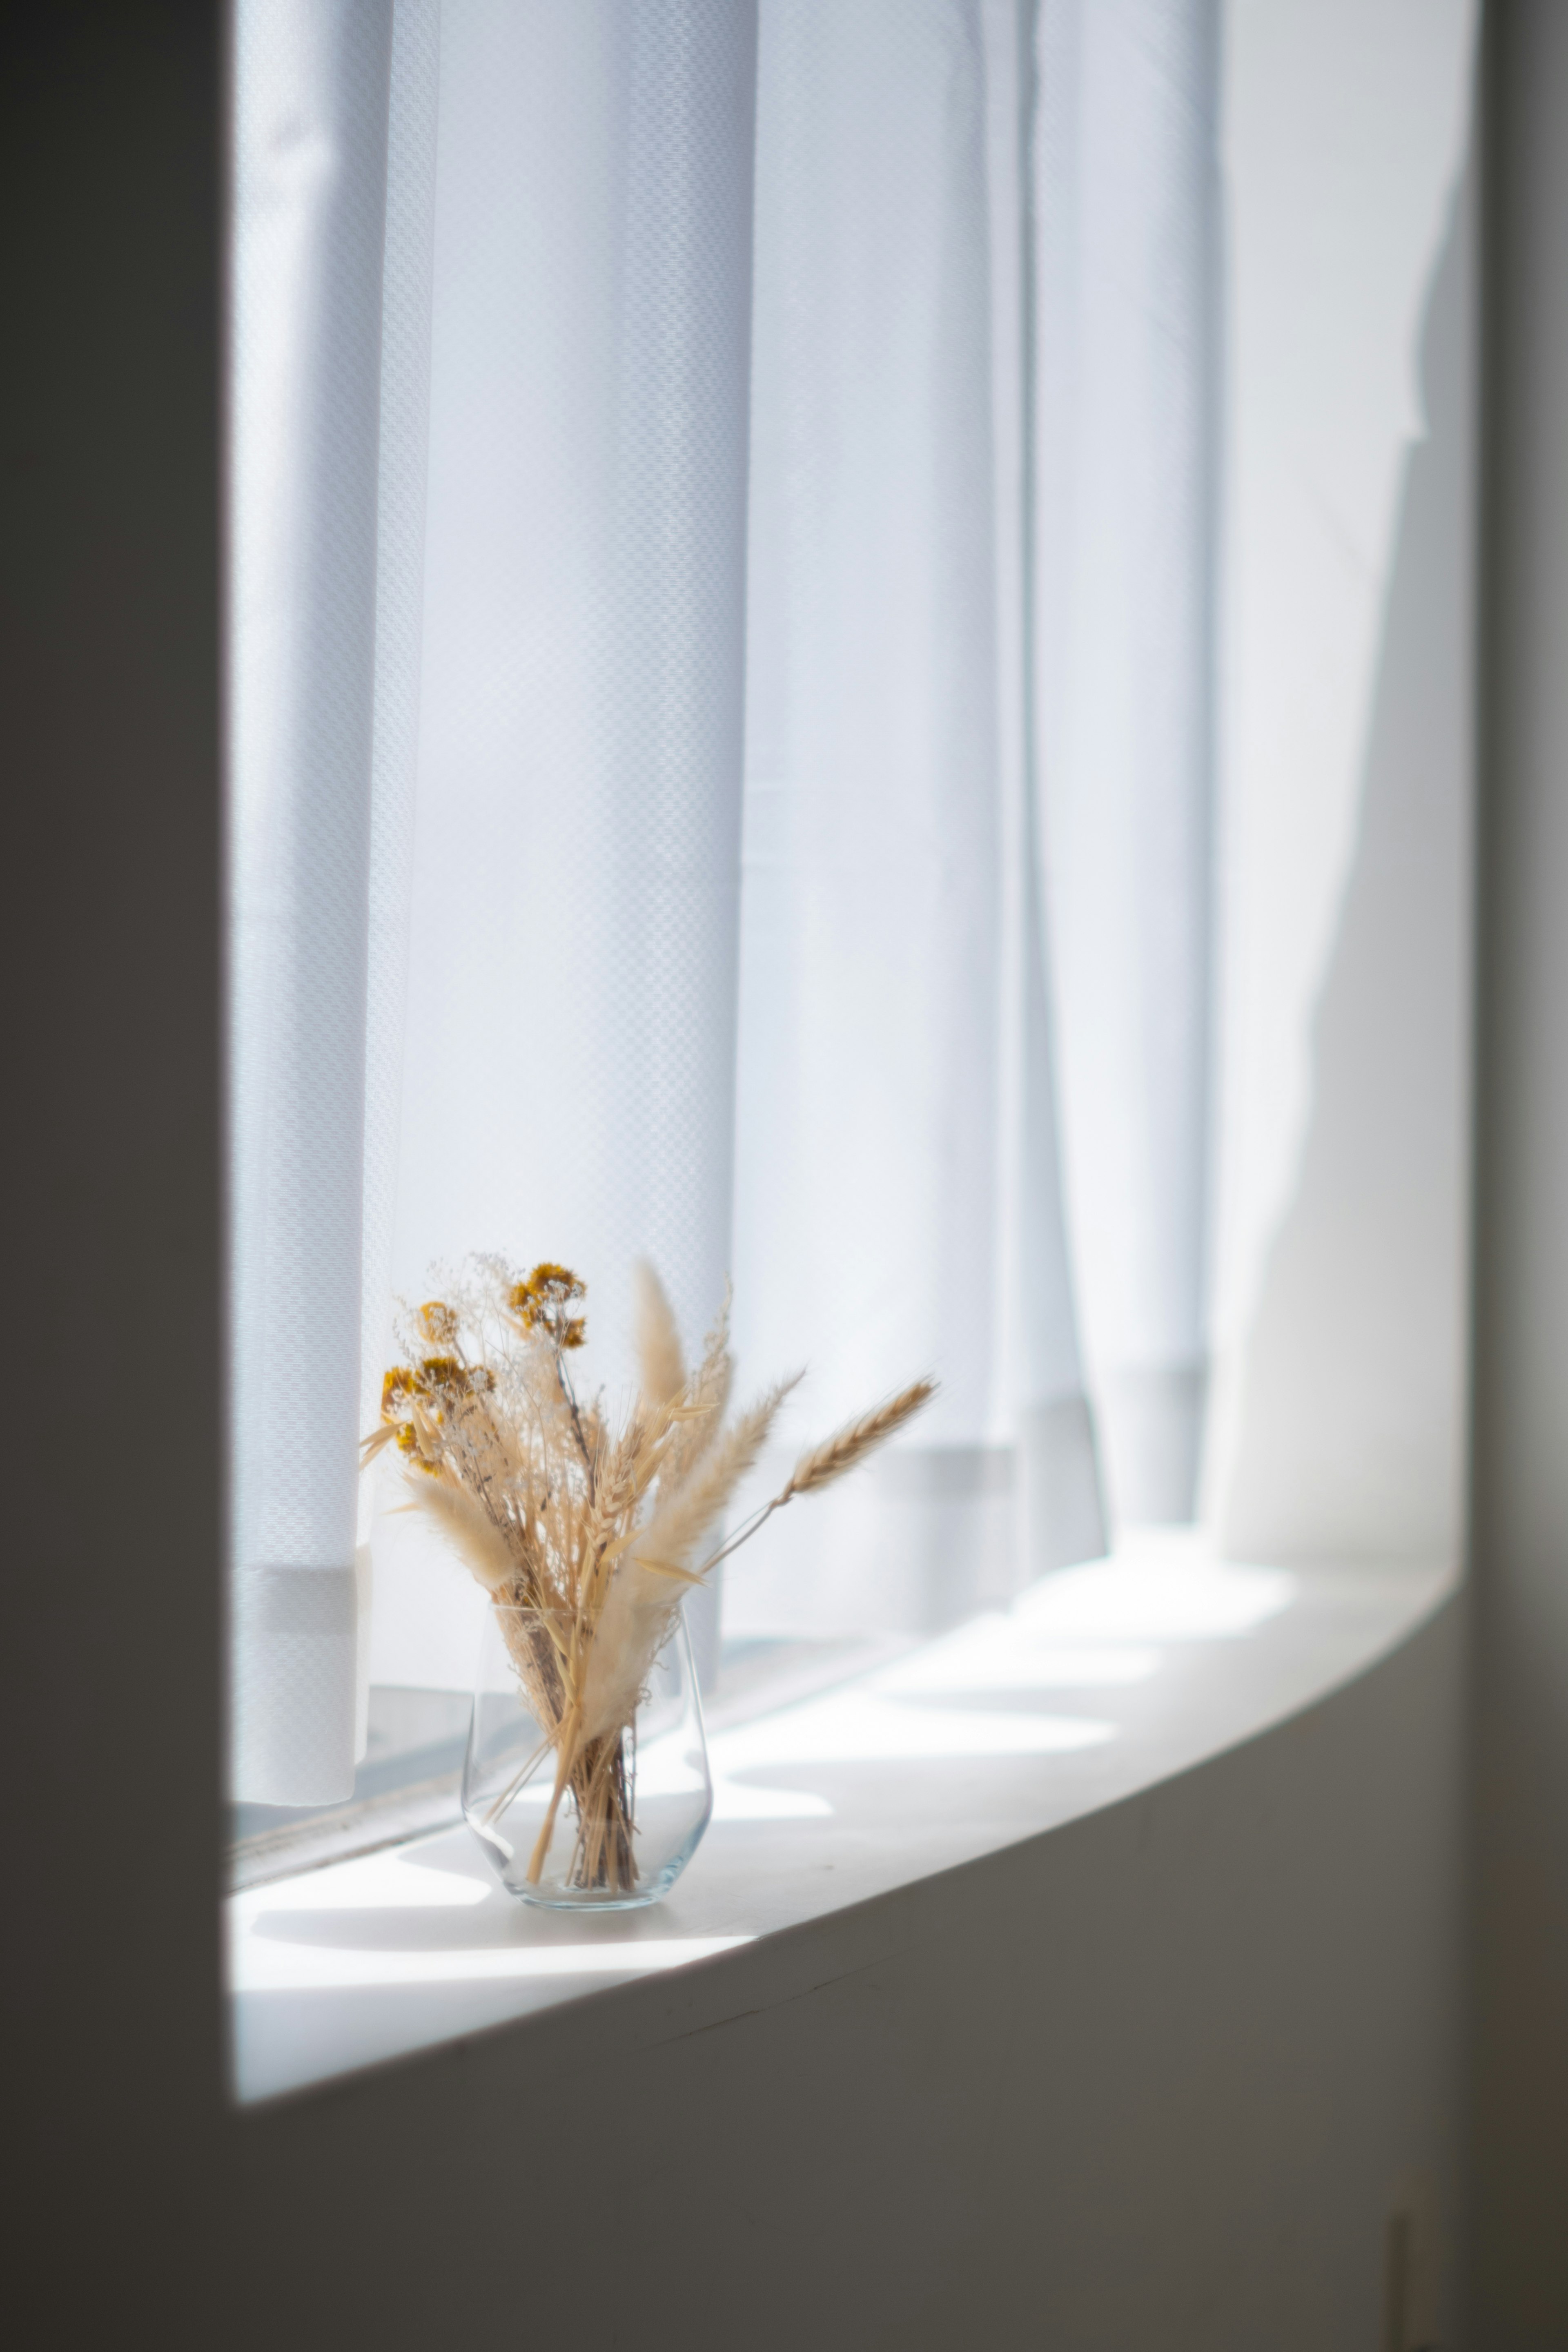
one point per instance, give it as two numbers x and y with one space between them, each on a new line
1351 1438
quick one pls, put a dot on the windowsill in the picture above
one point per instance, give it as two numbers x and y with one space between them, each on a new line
1099 1685
401 1793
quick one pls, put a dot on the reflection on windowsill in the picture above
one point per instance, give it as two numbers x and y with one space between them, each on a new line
1164 1584
1091 1628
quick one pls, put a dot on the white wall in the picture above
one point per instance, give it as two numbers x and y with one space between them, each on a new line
1342 1141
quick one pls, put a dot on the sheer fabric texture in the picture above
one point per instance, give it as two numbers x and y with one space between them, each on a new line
721 760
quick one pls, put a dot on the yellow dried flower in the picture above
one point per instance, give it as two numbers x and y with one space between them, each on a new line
443 1376
541 1304
439 1323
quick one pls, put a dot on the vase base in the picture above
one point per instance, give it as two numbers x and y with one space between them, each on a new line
549 1897
541 1900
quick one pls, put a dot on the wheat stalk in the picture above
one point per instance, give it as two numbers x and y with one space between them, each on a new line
684 1516
830 1460
821 1464
705 1403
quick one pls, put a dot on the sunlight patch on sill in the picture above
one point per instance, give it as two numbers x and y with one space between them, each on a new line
859 1728
1162 1585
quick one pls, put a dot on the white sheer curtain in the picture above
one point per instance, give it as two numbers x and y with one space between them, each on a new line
721 757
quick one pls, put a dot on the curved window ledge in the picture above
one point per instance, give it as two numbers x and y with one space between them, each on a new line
1099 1685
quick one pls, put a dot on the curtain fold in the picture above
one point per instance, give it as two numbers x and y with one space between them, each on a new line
402 465
1126 399
875 923
1062 1516
311 92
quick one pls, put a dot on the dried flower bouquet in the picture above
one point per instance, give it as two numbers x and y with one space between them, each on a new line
585 1534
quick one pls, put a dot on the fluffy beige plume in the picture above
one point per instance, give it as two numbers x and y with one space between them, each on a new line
706 1402
682 1517
631 1630
660 1360
699 1427
649 1579
470 1530
854 1440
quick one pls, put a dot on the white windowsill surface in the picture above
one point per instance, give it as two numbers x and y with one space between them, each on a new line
1099 1683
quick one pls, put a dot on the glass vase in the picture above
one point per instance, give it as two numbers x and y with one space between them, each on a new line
611 1826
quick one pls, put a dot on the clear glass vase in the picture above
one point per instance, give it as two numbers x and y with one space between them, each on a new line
614 1825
